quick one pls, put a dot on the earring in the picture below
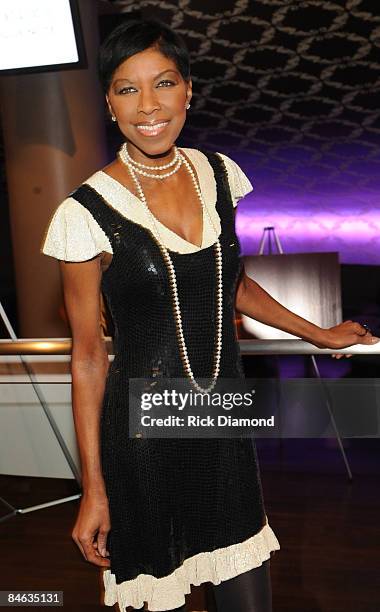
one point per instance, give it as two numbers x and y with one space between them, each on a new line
188 106
113 118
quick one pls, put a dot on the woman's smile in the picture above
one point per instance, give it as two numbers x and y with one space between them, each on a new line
151 129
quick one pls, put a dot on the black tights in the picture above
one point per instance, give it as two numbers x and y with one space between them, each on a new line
248 592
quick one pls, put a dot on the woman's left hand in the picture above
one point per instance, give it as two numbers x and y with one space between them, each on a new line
343 335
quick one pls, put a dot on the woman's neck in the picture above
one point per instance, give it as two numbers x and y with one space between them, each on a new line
150 160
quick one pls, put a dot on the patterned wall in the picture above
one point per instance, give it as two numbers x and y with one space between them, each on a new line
290 89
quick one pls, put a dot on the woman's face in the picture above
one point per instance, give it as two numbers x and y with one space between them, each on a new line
148 97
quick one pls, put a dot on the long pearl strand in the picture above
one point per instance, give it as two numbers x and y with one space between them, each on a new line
173 280
137 167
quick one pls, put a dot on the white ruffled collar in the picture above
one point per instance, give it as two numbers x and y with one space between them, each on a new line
125 202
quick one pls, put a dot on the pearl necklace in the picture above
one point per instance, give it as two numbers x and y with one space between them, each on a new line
173 279
137 167
124 152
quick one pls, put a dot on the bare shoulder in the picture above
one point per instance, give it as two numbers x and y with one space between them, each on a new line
117 171
112 169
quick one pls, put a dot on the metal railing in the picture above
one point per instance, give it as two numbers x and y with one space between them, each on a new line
62 346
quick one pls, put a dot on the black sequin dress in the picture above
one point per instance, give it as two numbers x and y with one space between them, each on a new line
183 511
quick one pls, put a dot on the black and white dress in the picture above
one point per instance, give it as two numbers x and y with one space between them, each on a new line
183 511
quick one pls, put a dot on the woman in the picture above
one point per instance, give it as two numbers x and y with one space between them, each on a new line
154 231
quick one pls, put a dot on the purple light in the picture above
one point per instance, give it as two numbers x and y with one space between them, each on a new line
355 234
315 204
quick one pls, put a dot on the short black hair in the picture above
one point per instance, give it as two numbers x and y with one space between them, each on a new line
136 35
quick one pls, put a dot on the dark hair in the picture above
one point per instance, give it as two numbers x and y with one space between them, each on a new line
136 35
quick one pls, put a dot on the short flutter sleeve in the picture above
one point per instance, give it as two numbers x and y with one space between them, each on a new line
239 183
73 234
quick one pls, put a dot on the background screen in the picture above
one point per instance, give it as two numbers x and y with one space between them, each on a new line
36 34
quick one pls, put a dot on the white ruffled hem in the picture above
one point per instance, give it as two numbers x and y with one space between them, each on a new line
216 566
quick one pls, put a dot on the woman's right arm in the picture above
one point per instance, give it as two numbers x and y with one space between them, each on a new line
89 366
